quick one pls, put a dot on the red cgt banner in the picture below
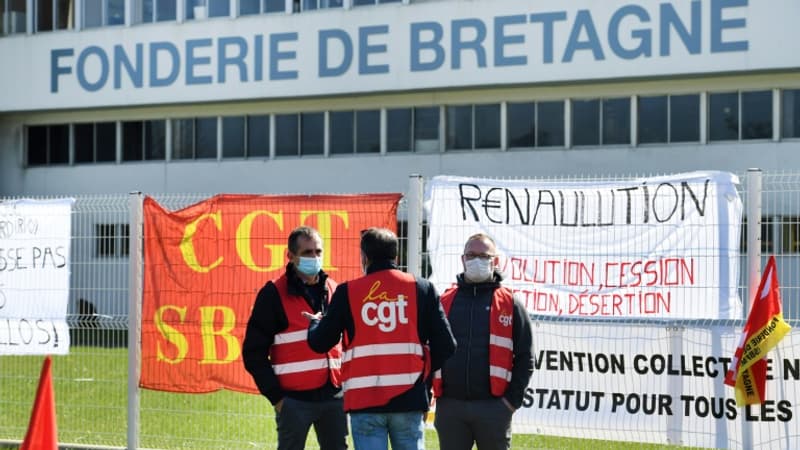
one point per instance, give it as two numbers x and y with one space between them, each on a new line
204 265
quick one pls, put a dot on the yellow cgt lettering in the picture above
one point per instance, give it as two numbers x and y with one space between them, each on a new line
187 246
172 335
209 334
243 236
325 229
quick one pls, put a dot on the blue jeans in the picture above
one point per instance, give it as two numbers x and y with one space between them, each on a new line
406 430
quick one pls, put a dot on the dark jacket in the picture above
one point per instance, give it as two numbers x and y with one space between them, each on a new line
432 326
465 376
269 318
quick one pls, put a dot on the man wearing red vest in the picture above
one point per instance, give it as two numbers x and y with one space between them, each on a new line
395 333
481 386
303 386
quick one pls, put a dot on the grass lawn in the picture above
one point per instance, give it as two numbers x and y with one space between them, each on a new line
91 404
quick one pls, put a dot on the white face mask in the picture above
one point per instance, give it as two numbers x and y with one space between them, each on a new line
478 270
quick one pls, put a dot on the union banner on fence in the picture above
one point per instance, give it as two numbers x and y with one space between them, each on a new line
660 247
205 264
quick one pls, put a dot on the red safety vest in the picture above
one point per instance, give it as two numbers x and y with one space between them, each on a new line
385 358
501 344
297 367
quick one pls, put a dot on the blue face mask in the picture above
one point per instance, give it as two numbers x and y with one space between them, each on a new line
309 266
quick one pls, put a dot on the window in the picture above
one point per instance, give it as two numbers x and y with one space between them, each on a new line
550 121
59 144
426 129
790 113
95 142
459 128
203 9
611 116
398 130
111 240
473 126
206 137
723 116
13 16
373 2
54 15
300 134
248 7
413 129
312 133
684 118
257 136
100 13
308 5
652 119
194 138
586 122
521 124
355 131
144 140
616 121
233 141
287 128
368 131
757 115
37 146
726 122
48 144
342 134
156 10
673 118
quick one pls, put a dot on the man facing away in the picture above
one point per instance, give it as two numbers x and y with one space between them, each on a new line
481 386
303 386
390 320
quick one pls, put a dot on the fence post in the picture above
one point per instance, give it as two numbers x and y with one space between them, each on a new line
136 216
415 215
754 195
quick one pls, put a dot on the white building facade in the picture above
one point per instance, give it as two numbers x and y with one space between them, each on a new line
259 96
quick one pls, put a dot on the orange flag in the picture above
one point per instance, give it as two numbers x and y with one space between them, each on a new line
42 433
763 330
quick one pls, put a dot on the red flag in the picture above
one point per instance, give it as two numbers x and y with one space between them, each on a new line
763 330
42 433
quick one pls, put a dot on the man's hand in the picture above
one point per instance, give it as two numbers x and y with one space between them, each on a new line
279 405
310 316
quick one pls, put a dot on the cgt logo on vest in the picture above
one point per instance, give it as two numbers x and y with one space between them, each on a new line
385 314
505 319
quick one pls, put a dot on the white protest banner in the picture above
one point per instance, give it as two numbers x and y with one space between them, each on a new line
661 247
34 276
664 385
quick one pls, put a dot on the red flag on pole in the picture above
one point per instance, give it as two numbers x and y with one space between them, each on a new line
42 433
763 330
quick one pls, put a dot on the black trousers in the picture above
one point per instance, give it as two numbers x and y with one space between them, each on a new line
297 416
460 423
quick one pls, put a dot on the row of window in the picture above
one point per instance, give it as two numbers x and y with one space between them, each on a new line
52 15
661 119
778 234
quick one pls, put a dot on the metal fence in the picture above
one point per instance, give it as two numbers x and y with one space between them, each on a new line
95 396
